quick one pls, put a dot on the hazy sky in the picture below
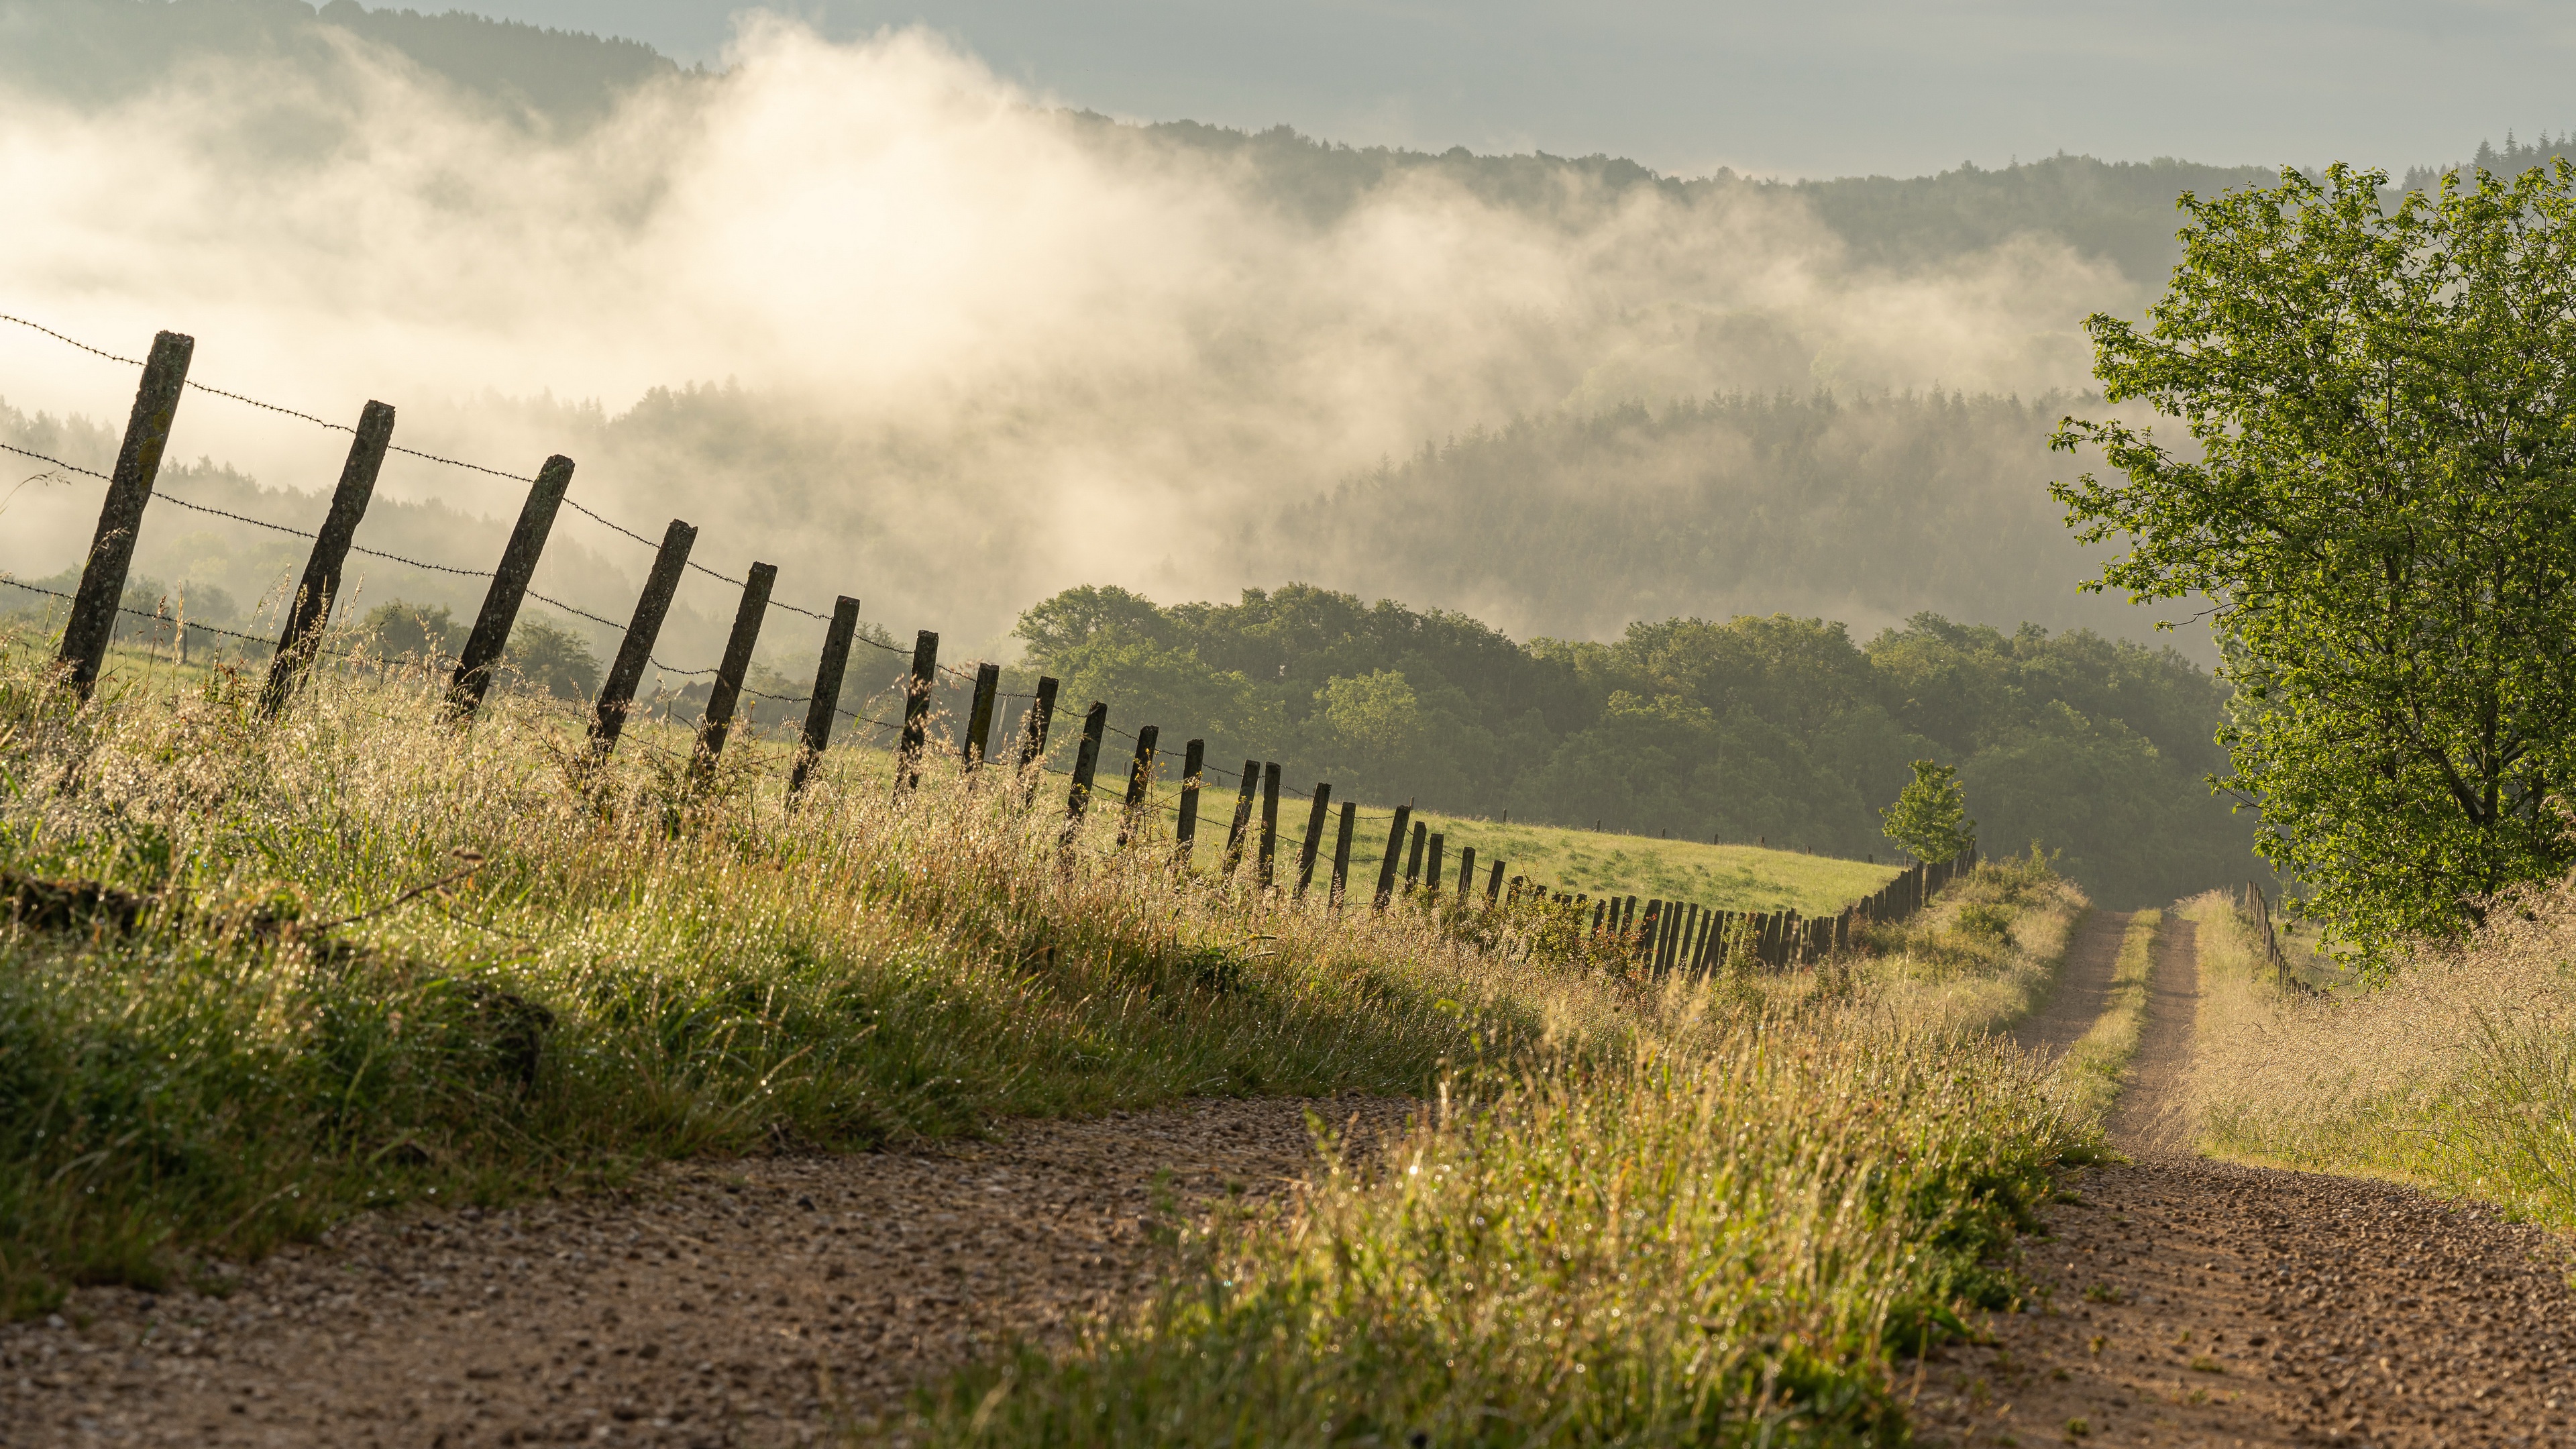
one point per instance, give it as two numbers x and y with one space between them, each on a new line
1834 89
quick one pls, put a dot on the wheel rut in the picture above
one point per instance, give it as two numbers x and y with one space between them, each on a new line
2179 1300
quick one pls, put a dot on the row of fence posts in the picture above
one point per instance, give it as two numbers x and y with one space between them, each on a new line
1670 935
1666 933
96 603
2258 910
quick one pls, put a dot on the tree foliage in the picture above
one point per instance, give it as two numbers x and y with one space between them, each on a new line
2379 498
1929 817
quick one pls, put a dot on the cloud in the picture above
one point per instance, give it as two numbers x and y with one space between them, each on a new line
901 326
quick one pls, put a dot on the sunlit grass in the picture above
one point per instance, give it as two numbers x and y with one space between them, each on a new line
1726 1240
2458 1074
705 970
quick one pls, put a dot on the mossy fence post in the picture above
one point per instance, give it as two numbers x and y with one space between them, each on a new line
1140 778
916 710
1242 818
1313 846
1263 871
1386 865
747 617
979 716
626 671
92 625
1342 853
829 671
310 611
1086 765
1186 830
1033 736
500 612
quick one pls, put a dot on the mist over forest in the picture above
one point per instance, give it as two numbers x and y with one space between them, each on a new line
912 333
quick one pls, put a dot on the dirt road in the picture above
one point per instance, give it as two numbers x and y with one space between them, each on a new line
752 1303
2183 1301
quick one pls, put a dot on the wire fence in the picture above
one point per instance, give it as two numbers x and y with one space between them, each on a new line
1662 933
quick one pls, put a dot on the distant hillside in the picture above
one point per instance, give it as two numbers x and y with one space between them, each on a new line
101 51
2121 211
1863 508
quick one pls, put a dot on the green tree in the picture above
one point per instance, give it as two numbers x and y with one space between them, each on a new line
2379 500
552 658
1929 819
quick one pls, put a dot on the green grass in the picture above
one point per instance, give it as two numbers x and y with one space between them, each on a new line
1720 877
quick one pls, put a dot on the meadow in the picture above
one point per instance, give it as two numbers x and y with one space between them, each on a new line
265 974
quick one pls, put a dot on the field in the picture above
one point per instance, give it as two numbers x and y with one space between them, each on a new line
267 975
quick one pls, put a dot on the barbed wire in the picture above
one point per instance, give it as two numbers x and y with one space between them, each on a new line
458 463
445 569
74 341
569 609
56 462
585 511
140 613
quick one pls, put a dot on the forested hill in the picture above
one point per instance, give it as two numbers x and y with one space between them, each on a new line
1863 508
1764 728
100 51
2122 211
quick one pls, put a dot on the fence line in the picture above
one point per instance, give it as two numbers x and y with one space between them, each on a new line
1668 935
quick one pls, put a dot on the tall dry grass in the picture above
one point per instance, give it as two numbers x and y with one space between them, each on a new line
1982 954
2458 1073
635 965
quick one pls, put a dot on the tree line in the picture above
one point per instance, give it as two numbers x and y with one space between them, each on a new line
1758 729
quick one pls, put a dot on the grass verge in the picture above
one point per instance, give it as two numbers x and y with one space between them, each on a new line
2099 1060
2459 1074
1726 1240
1982 954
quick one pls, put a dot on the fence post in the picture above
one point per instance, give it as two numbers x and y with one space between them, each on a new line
916 710
1386 863
617 692
979 717
828 673
1193 760
1435 866
1086 764
1494 885
92 624
1413 857
311 609
1140 775
1314 843
1242 823
736 663
483 647
1645 942
1033 737
1269 822
1342 852
1466 876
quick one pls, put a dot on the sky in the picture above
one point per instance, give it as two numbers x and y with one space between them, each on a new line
1874 87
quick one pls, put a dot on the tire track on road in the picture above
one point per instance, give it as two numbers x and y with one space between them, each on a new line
2178 1300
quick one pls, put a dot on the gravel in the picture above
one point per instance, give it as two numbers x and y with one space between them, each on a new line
759 1302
